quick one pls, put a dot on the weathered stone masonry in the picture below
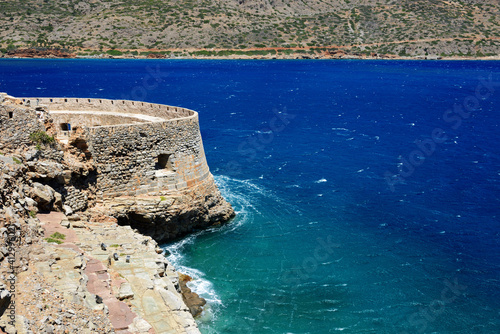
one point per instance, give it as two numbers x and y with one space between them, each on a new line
140 162
17 123
159 151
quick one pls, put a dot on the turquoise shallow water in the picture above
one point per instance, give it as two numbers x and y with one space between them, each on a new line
324 240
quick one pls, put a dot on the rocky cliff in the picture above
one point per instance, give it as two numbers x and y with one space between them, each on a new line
167 217
70 263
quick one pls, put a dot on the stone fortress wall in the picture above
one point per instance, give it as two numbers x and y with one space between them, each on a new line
17 123
115 152
138 148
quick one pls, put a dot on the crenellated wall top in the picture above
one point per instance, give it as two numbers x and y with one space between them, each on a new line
126 108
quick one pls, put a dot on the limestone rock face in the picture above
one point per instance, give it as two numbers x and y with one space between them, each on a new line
43 195
91 290
47 169
167 217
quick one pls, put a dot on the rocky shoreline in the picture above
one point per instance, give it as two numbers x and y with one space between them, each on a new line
87 270
294 54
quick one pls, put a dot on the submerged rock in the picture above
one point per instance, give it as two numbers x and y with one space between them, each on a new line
192 299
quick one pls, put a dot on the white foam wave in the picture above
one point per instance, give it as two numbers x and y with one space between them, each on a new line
242 194
203 287
175 250
239 193
321 180
199 283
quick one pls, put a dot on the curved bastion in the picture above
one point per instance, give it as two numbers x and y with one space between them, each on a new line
138 162
150 166
138 148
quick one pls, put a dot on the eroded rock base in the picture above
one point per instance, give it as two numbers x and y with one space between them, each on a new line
165 218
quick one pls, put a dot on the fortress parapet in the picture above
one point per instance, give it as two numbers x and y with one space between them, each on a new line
119 106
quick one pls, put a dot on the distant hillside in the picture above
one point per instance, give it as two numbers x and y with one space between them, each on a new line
397 27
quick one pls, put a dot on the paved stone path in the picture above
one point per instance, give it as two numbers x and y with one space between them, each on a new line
128 275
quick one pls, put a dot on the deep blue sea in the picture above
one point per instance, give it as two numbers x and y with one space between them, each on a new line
367 192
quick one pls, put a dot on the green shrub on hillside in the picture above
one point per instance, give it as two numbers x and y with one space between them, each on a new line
41 137
114 53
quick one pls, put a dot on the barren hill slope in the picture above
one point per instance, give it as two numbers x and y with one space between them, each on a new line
402 27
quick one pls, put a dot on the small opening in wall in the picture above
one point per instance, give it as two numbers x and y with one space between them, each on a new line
11 114
65 126
164 165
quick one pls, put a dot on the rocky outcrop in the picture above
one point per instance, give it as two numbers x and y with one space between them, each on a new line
19 230
80 273
36 53
44 195
156 56
98 267
192 299
167 217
